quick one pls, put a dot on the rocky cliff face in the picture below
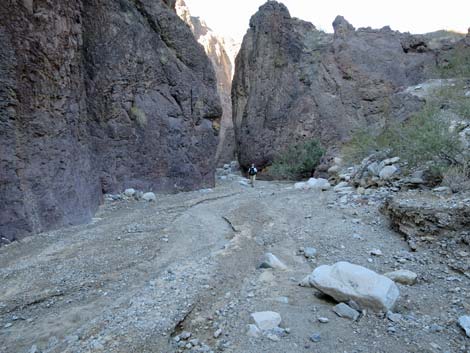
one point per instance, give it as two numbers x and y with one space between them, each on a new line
96 96
294 82
215 47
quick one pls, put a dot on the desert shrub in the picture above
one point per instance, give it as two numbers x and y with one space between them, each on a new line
456 64
138 116
422 139
297 161
453 98
457 177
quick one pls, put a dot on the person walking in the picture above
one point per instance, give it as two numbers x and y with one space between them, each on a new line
252 173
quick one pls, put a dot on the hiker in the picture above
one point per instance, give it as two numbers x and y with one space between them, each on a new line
252 173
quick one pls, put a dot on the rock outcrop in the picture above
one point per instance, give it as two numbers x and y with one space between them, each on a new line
97 96
294 82
214 46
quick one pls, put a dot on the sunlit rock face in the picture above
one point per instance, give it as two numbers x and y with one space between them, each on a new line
98 96
293 82
222 52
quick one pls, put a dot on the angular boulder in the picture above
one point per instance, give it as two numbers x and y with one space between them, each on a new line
345 281
266 320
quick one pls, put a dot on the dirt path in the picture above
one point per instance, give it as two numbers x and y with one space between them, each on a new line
142 273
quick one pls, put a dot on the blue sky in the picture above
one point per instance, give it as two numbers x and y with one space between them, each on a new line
231 17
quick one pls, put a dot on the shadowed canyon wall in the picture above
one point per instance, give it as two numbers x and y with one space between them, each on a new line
97 96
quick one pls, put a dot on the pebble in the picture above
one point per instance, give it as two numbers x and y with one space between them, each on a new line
8 325
376 252
185 335
315 337
323 320
217 333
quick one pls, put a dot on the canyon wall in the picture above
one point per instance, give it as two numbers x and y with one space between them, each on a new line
293 82
221 53
97 96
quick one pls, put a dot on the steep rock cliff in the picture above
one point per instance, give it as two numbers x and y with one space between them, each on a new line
96 96
294 82
214 46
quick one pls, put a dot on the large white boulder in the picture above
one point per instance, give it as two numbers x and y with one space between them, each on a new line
345 281
266 320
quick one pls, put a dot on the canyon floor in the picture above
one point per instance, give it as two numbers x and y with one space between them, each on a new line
143 273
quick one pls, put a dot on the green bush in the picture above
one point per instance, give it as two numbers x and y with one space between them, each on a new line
297 161
456 64
452 96
425 138
457 177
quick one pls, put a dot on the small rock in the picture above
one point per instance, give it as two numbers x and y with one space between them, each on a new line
266 320
376 252
344 310
217 333
436 328
310 253
185 335
253 331
464 322
394 317
443 190
271 261
315 337
390 161
324 320
149 196
318 184
8 325
129 192
34 349
273 337
373 169
403 277
388 172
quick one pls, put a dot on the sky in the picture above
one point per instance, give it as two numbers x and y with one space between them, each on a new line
231 17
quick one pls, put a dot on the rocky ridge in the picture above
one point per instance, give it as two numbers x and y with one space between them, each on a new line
96 97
